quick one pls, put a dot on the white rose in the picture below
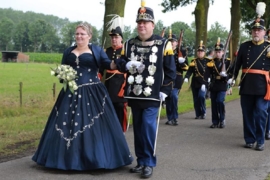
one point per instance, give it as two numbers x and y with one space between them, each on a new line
139 79
131 79
150 80
75 87
70 84
147 91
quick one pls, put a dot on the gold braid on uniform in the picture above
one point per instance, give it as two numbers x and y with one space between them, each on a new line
192 63
168 49
196 67
170 83
185 68
123 50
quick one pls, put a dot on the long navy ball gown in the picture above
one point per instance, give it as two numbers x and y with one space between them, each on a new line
83 132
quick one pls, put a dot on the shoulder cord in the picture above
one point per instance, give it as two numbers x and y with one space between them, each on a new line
196 66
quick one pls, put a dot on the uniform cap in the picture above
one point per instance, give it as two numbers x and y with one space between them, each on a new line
201 47
145 13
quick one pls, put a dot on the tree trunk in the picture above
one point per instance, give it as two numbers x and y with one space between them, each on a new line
235 26
112 7
201 14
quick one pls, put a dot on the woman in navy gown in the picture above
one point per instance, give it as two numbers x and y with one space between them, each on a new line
83 132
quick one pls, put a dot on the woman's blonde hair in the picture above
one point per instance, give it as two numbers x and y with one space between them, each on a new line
85 26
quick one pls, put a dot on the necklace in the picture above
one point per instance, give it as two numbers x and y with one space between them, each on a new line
77 60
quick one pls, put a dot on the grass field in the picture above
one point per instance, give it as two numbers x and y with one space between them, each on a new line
22 126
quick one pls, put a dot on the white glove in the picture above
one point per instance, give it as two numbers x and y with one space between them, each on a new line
186 80
229 81
133 64
223 74
181 59
203 88
239 87
162 96
209 80
233 82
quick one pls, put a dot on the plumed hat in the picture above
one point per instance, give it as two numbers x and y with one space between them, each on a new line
258 23
116 24
201 47
219 46
145 13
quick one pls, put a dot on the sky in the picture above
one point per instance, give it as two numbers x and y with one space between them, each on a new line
92 11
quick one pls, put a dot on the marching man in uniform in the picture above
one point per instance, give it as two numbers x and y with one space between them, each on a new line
149 63
254 59
115 81
181 63
218 85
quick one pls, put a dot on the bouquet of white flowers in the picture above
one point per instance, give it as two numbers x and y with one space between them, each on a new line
66 74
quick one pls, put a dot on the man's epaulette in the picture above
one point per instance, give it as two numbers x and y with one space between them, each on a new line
228 59
123 50
185 68
168 50
192 62
211 63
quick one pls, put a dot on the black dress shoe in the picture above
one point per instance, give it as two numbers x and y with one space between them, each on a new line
147 172
136 169
203 116
267 136
222 124
197 117
175 122
169 123
259 147
213 126
249 145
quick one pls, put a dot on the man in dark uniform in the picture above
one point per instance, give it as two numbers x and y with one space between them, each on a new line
115 81
218 85
254 58
199 83
149 62
267 128
181 63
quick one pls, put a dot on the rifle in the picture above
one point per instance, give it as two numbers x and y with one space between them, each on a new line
223 69
163 32
180 43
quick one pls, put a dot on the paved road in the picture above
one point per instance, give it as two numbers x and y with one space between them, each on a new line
189 151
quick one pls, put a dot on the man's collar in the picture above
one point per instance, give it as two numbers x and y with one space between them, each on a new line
258 43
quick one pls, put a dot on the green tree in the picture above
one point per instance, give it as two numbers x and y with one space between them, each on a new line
235 26
37 30
50 40
6 32
67 33
216 31
95 36
158 27
200 12
21 37
112 7
127 34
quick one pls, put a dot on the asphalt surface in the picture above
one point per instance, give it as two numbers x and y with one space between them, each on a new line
189 151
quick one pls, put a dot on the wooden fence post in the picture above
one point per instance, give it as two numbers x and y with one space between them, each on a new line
21 84
54 84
